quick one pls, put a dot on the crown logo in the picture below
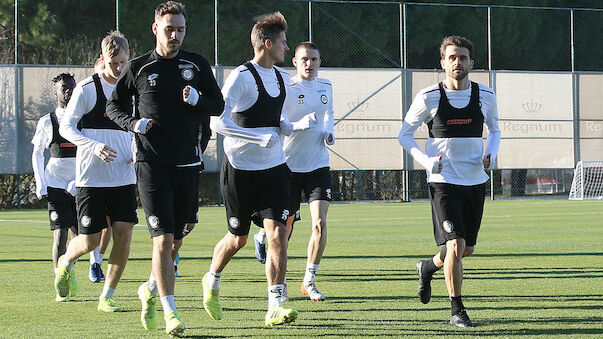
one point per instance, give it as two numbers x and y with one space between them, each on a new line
531 106
358 106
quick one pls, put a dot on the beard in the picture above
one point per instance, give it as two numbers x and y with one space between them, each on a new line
458 76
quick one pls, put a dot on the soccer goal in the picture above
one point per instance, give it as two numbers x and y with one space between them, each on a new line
588 180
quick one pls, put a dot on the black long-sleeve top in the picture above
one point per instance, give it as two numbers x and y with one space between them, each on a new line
157 84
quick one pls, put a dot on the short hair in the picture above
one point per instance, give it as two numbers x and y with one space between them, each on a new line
170 7
267 27
113 43
306 45
62 77
458 41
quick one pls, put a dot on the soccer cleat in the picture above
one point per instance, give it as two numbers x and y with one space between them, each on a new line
62 280
260 249
211 300
424 283
285 295
461 319
176 271
148 315
73 288
107 305
173 325
312 291
102 275
279 315
58 298
95 273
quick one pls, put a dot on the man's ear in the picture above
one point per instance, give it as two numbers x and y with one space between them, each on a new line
154 28
268 44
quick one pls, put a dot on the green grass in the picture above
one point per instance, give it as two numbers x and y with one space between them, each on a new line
537 271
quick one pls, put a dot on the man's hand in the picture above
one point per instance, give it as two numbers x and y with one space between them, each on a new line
149 125
106 153
187 229
437 165
274 139
190 95
487 161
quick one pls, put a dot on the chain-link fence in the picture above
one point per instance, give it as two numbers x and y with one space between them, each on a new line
543 63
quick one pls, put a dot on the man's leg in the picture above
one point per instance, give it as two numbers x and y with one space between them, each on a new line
453 272
65 277
224 250
59 245
175 255
122 236
316 247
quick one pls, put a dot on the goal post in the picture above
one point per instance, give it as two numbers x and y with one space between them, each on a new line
588 180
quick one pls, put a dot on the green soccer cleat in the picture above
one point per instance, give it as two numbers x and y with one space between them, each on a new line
173 325
107 305
59 299
62 280
211 300
279 315
73 288
148 315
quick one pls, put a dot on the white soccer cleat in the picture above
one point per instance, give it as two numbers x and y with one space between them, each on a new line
312 291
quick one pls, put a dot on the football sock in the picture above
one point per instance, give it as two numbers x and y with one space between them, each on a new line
456 304
168 304
213 279
94 255
107 292
275 293
260 237
429 268
152 284
100 258
310 272
63 262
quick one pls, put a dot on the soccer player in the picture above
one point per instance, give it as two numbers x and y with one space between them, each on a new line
307 156
56 181
105 176
173 90
455 111
255 177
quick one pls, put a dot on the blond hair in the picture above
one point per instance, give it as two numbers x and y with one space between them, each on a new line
113 43
267 27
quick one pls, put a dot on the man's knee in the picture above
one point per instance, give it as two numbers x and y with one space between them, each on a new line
468 251
456 248
237 241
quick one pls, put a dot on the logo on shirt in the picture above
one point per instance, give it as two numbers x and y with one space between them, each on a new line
153 79
187 74
324 99
300 99
459 121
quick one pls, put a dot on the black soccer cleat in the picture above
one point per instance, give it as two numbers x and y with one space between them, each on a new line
461 319
424 283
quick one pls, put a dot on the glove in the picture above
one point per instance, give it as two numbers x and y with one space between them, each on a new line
273 141
308 121
286 127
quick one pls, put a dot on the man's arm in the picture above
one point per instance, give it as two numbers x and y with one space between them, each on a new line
329 132
209 98
119 105
493 139
39 141
415 116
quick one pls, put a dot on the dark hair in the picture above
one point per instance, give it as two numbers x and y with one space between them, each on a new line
170 7
458 41
267 27
62 77
307 45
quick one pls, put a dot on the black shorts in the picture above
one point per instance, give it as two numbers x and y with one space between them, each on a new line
456 211
265 192
315 185
169 197
93 203
61 210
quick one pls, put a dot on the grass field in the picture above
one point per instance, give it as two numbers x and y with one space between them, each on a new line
537 271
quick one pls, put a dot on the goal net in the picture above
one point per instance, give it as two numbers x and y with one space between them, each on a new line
588 180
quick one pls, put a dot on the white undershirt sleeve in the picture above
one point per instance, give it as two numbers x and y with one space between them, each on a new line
39 141
77 107
416 115
493 139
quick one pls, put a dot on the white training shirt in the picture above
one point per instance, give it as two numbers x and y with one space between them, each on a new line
91 170
59 172
462 158
246 147
305 150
